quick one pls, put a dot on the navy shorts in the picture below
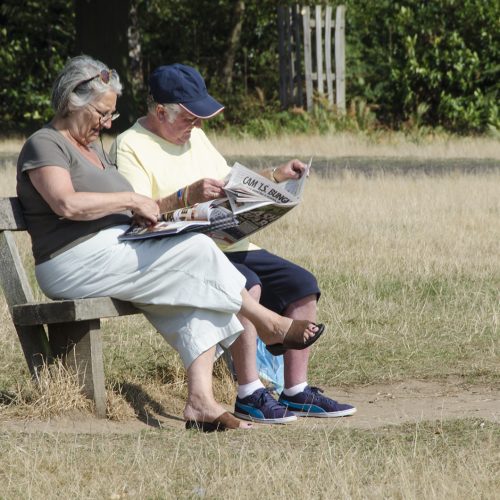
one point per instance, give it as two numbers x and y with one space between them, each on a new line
282 282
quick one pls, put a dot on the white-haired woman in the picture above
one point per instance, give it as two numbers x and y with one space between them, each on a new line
76 204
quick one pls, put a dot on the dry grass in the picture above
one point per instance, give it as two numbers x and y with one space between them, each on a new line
347 144
55 392
443 460
410 273
343 144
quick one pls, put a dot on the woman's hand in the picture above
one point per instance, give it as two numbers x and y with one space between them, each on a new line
294 169
205 190
146 211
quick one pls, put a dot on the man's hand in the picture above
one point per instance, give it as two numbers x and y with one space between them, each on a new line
205 190
294 169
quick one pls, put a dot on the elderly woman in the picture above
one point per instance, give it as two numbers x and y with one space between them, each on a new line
76 204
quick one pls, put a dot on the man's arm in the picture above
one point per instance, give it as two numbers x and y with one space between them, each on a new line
294 169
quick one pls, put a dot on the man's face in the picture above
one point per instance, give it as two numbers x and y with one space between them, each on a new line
179 131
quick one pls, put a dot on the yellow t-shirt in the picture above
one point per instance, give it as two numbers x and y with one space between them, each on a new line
158 168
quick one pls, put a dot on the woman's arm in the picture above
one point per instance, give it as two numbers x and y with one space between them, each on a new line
55 186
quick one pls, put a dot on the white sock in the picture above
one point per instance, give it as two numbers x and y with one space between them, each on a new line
292 391
245 390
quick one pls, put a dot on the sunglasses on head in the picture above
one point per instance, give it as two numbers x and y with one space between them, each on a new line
104 75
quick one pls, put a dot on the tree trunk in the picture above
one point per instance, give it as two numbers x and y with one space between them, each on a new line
233 42
107 30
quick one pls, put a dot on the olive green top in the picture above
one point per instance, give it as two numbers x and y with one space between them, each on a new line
51 234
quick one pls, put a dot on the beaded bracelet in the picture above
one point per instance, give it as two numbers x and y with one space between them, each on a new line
180 194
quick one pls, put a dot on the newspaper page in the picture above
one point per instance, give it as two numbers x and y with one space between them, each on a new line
247 190
208 215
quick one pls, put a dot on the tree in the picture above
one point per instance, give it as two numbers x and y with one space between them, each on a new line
107 30
233 42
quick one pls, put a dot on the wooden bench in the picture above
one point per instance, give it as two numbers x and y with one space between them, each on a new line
72 329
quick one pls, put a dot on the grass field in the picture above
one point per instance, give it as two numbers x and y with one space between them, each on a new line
410 274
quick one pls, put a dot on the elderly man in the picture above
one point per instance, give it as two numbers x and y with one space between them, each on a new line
166 155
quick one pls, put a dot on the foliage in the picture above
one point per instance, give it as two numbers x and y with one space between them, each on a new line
36 37
442 54
410 64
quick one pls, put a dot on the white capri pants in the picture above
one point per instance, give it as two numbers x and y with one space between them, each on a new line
185 285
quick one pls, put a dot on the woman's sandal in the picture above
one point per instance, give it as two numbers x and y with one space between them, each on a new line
294 338
223 422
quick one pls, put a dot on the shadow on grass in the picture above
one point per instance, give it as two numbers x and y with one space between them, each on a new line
146 408
6 398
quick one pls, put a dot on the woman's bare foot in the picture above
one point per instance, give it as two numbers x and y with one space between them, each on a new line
274 331
271 327
294 339
208 412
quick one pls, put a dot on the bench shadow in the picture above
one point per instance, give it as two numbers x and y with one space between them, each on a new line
7 398
146 407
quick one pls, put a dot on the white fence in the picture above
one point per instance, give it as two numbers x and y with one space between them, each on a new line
297 27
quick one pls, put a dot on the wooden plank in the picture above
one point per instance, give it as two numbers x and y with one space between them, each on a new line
17 290
328 53
11 215
15 284
306 18
299 101
62 311
80 345
340 58
319 51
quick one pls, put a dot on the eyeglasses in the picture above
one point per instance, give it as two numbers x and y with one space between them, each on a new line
104 75
104 117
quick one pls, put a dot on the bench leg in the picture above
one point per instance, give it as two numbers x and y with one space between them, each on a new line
80 345
35 347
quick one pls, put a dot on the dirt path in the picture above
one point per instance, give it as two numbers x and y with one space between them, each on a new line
378 406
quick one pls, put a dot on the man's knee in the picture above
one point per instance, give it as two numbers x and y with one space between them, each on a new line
308 303
255 292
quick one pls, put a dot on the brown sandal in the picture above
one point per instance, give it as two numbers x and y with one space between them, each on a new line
294 338
223 422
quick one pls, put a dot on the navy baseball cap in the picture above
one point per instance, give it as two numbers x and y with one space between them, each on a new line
181 84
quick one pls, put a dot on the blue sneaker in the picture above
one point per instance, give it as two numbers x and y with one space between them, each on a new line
260 406
310 403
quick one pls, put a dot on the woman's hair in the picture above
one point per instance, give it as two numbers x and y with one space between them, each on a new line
79 83
172 109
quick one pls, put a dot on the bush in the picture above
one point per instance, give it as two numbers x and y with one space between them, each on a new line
442 53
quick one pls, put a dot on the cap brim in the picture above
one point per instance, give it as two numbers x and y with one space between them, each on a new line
204 108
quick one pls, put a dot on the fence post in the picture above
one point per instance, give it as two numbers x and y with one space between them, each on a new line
328 53
306 20
340 58
298 54
319 51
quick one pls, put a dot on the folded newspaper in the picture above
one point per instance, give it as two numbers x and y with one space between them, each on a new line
252 202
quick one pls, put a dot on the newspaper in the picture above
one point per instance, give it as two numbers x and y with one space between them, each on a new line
252 202
211 215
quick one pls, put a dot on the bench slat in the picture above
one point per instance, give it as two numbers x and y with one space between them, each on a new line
11 215
64 311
